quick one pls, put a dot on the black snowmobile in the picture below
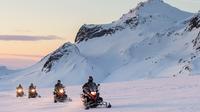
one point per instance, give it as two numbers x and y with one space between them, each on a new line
19 92
91 98
60 95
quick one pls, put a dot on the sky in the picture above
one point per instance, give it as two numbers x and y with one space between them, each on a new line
31 29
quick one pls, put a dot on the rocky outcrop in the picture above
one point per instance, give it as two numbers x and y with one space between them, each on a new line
194 22
92 31
196 42
66 49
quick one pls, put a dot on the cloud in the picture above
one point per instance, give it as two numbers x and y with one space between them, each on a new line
23 31
28 37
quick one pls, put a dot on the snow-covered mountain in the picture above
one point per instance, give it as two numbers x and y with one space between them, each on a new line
5 71
154 12
152 40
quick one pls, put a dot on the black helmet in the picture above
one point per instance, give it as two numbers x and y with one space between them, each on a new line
20 85
59 81
31 84
90 79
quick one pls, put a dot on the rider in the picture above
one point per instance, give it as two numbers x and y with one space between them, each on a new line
88 85
58 85
91 96
19 91
19 87
86 89
32 86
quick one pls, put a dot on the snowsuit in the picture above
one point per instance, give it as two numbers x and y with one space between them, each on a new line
87 86
87 89
30 93
19 87
32 87
19 93
57 87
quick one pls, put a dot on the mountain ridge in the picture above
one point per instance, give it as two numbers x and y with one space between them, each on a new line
142 13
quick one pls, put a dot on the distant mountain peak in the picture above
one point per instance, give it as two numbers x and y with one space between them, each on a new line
156 8
4 70
151 10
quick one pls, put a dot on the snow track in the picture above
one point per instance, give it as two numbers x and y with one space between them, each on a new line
153 95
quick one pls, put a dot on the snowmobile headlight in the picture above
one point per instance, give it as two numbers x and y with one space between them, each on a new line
93 93
19 90
61 90
33 90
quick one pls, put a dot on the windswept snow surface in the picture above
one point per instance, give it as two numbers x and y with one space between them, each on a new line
178 94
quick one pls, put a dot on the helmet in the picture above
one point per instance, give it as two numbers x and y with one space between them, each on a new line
58 81
20 85
90 79
31 84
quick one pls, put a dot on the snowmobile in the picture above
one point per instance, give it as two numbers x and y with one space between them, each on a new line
60 96
91 98
33 93
19 92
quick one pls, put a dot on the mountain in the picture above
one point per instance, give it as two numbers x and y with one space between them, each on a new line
150 12
150 41
5 71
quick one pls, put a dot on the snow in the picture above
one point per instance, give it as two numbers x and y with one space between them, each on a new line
150 64
5 71
196 64
177 94
156 8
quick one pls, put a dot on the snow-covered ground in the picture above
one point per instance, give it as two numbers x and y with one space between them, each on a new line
178 94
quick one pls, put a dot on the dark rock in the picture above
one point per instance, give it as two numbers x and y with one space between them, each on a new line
196 42
194 22
92 31
132 22
66 49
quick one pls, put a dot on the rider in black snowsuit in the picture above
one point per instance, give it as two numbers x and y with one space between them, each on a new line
32 86
89 84
19 91
30 90
19 87
86 89
58 85
91 96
